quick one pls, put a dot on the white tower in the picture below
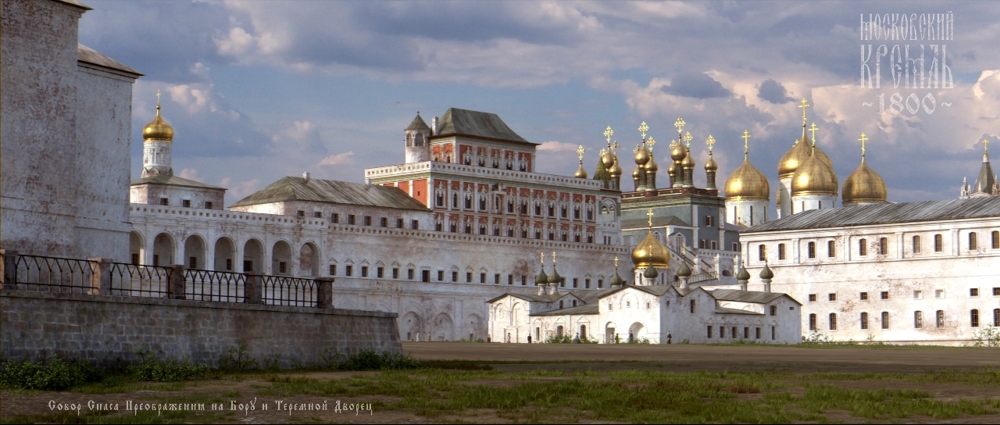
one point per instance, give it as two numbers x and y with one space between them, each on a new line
418 141
158 140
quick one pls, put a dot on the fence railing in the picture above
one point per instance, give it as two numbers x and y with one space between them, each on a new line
98 276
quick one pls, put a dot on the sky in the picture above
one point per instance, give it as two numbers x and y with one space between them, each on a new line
260 90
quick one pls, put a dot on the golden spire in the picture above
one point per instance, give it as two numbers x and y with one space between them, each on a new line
710 142
643 128
863 139
813 129
650 215
804 105
746 143
581 173
157 100
607 135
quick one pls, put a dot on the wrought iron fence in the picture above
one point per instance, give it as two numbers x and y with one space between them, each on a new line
139 281
207 285
285 290
53 274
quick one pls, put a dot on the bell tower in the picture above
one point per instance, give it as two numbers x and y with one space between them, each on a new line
418 141
158 140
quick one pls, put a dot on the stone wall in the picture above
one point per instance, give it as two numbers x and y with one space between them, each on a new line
107 330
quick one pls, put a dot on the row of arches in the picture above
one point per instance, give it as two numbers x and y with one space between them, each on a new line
414 327
251 256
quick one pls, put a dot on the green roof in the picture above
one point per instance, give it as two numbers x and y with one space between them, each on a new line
173 181
418 124
331 192
463 122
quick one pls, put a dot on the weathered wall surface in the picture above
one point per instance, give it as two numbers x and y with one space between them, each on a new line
107 330
39 101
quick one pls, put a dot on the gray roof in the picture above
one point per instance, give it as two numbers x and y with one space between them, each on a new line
173 181
463 122
91 56
331 192
529 297
986 179
747 296
909 212
658 221
75 3
580 309
418 124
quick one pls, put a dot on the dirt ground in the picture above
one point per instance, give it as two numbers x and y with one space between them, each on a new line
570 357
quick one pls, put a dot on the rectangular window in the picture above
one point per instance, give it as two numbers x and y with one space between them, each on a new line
918 319
229 264
864 321
938 243
409 274
299 213
722 331
774 310
364 271
939 293
395 272
831 249
757 332
812 297
282 267
350 270
974 318
996 292
812 322
812 249
187 203
885 320
864 296
380 272
335 218
454 276
440 275
368 220
709 331
496 278
192 262
586 284
761 252
996 239
510 279
482 278
884 295
575 282
973 292
164 201
833 321
425 275
383 222
333 270
317 214
939 318
692 306
208 205
781 251
524 280
918 295
746 332
468 277
773 333
351 219
863 247
135 259
600 283
832 297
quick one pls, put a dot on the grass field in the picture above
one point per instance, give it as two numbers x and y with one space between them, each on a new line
551 391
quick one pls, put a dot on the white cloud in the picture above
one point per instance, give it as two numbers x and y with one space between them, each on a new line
193 97
236 43
338 159
554 146
189 173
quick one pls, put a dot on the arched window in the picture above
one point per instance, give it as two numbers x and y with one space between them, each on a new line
864 320
761 252
831 249
781 251
812 249
883 246
885 320
939 318
996 317
918 319
938 243
996 239
916 244
972 241
863 247
974 318
833 321
812 322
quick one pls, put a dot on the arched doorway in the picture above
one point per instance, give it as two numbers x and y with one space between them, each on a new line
477 328
309 260
225 251
281 258
253 257
443 327
411 327
163 250
636 332
609 333
137 248
194 252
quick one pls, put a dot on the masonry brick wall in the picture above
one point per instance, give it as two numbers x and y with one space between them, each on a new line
107 330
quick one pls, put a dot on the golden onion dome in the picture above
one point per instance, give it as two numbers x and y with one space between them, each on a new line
672 170
615 171
711 165
608 159
814 177
747 182
687 162
580 172
641 155
798 154
636 173
650 251
158 130
678 152
864 185
651 166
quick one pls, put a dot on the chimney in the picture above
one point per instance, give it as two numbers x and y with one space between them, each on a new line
305 175
434 126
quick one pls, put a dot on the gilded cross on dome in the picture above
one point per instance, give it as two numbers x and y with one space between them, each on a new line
608 133
579 151
614 147
542 258
603 151
688 138
813 129
986 145
650 215
157 98
746 141
553 258
643 128
650 142
679 124
804 105
616 263
863 139
674 144
710 142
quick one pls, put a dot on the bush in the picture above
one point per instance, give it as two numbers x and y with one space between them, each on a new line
988 336
150 368
239 360
50 374
369 359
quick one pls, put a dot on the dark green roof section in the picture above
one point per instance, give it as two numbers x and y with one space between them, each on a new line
331 192
658 221
418 124
463 122
173 181
91 56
